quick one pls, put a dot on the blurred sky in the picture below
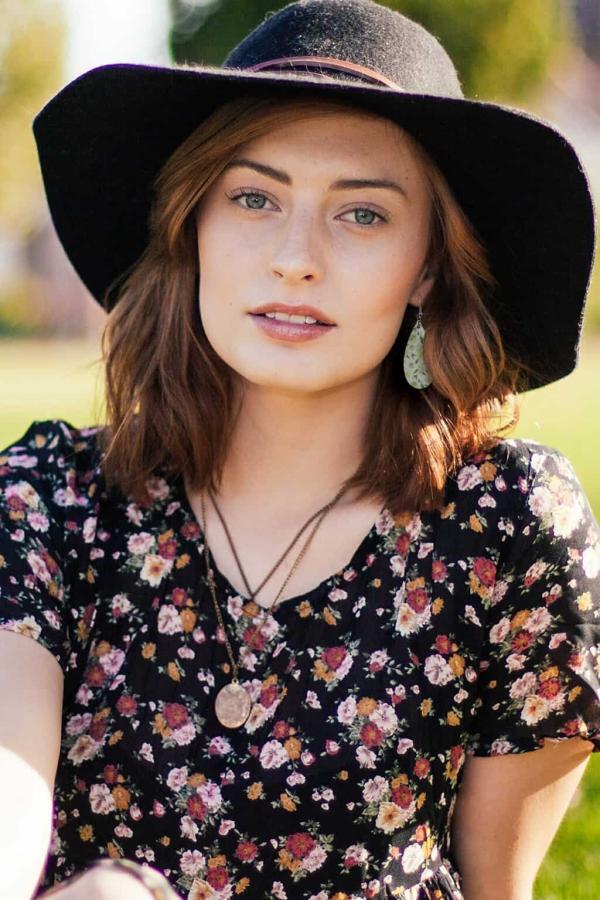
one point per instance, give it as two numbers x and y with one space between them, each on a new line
106 31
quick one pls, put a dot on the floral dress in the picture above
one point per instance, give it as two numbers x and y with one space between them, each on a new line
474 630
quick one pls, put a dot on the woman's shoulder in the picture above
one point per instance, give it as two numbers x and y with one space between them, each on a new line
53 463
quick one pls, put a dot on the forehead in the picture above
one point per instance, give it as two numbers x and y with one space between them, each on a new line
318 135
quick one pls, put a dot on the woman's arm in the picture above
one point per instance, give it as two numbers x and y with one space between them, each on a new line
507 813
31 694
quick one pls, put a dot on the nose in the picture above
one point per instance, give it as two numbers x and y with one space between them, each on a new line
295 257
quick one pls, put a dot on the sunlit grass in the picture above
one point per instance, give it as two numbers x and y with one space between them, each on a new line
51 379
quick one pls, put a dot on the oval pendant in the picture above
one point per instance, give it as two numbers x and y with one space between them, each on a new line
232 705
415 370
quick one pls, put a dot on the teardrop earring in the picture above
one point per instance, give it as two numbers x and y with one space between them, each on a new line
415 370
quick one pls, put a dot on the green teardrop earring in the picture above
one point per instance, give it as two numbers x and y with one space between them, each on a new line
415 370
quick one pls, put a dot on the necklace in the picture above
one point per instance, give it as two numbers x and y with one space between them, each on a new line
232 703
252 594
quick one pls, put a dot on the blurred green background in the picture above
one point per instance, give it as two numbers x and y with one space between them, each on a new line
539 55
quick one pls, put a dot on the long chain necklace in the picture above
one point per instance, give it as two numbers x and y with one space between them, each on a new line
233 703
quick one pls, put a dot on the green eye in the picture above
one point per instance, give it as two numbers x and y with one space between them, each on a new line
255 201
361 213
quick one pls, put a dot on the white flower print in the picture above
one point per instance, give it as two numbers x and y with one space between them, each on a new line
192 861
169 620
375 789
142 543
535 709
177 778
346 711
412 858
523 686
101 799
155 568
437 669
468 477
273 755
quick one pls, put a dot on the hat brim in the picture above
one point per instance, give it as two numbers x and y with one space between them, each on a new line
104 137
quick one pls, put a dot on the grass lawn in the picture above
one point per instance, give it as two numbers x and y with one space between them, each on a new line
45 379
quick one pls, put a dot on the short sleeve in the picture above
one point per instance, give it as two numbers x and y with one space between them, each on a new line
40 501
539 669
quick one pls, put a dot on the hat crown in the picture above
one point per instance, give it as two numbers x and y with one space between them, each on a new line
359 31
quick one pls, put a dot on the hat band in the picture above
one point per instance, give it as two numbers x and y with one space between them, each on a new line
325 62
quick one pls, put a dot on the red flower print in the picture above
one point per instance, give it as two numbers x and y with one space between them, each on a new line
421 767
190 530
217 877
439 570
98 729
443 644
179 596
521 641
175 714
268 695
300 844
402 796
127 705
403 544
549 688
95 675
417 599
247 851
253 638
110 774
485 570
281 730
196 807
371 735
333 657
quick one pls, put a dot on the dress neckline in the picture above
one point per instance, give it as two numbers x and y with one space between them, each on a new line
355 562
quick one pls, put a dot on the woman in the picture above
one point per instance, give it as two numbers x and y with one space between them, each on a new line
306 330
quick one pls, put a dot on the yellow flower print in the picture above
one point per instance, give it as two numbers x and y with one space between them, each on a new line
584 601
475 523
366 706
457 664
426 706
328 616
437 606
173 672
286 802
448 510
122 797
255 791
241 886
519 619
293 748
188 620
148 651
488 471
86 833
182 561
196 779
452 718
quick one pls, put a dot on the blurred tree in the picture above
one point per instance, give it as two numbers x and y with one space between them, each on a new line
501 48
31 47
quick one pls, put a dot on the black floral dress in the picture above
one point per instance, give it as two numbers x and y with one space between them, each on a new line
472 630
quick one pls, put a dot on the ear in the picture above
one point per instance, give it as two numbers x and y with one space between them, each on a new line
417 297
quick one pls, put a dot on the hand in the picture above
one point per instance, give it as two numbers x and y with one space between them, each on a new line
99 884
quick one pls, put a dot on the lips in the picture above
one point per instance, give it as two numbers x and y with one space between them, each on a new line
302 310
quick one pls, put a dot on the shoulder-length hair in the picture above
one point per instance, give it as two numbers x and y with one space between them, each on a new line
170 399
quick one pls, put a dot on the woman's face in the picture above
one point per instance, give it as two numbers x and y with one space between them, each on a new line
316 228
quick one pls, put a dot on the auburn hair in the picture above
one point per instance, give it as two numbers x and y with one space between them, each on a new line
170 399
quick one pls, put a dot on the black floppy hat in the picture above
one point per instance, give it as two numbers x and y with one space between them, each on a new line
104 137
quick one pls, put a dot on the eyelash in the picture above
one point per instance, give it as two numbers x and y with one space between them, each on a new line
243 192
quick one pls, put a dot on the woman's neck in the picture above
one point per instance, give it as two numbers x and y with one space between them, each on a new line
291 451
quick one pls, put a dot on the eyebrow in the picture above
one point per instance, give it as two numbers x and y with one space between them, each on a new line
339 185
